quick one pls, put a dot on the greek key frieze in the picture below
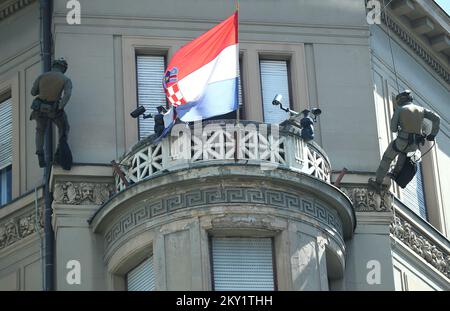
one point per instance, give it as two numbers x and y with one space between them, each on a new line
217 196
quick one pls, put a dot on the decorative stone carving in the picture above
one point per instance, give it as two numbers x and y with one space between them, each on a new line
13 7
416 47
422 246
27 225
222 196
82 193
12 232
17 228
366 200
316 165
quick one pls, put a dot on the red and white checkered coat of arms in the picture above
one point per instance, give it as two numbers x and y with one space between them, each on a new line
171 88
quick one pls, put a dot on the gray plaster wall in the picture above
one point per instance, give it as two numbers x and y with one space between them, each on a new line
18 36
371 243
91 110
348 122
78 252
329 12
21 267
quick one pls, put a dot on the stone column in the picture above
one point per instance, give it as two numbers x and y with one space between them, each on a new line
307 258
177 255
369 258
78 252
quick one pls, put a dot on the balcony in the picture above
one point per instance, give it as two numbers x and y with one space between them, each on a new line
223 178
246 143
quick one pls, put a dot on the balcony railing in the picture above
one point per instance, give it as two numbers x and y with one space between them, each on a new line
421 237
222 142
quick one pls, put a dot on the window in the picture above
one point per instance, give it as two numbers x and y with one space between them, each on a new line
243 264
5 185
274 80
413 195
241 95
142 277
150 92
5 151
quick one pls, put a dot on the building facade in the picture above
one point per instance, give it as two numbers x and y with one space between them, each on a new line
230 204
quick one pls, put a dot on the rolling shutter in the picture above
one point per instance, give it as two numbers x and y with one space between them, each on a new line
5 133
413 195
142 277
241 100
243 264
274 80
150 73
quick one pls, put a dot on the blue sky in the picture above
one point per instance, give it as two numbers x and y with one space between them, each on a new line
445 4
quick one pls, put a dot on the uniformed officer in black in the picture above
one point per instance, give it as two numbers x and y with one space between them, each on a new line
159 121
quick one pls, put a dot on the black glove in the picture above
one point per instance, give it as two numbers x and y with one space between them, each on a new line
430 137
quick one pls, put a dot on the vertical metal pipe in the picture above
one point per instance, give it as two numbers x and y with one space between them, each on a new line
46 13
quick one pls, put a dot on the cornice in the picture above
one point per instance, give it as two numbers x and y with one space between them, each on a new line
416 47
10 7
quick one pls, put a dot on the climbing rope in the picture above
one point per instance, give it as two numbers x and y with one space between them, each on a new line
422 155
390 45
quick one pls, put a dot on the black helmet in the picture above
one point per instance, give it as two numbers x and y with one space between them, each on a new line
61 62
404 97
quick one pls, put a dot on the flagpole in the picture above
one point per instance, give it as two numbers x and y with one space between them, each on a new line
237 128
238 117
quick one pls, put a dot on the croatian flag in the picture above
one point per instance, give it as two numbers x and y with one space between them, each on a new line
201 80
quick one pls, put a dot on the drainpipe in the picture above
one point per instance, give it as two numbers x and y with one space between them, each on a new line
46 19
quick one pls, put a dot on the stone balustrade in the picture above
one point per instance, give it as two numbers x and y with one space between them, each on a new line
245 143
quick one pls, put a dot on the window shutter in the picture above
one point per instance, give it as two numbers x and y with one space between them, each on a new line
5 133
242 264
150 73
142 277
413 195
241 100
274 80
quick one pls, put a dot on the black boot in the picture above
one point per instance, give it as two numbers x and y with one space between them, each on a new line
376 187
